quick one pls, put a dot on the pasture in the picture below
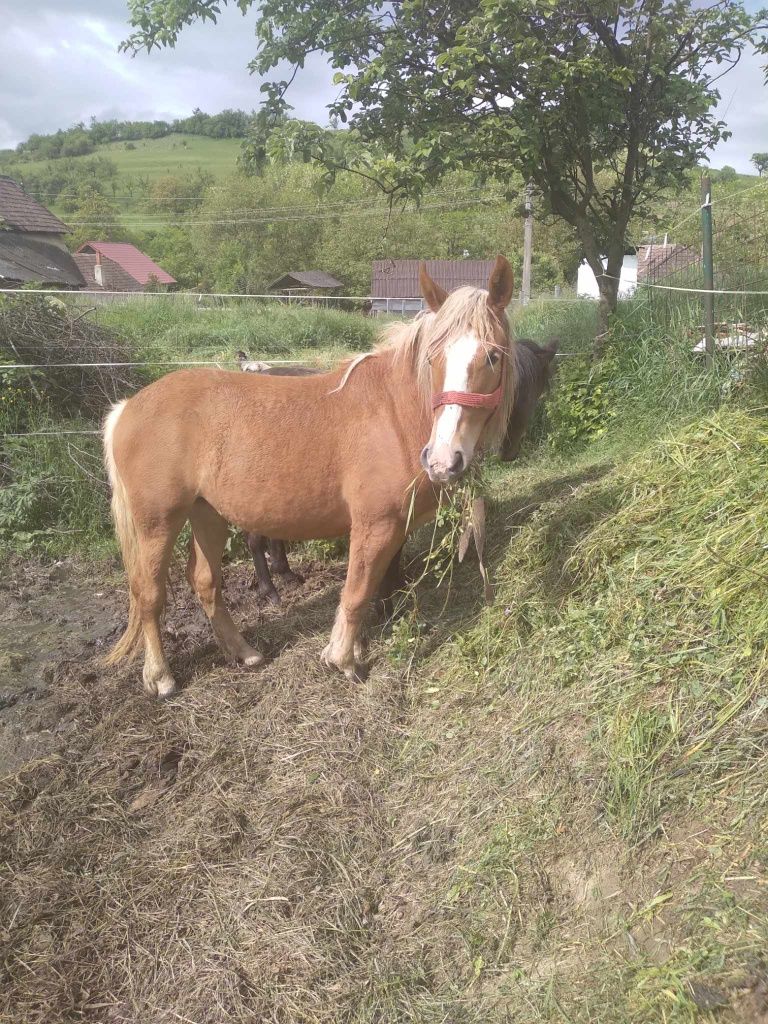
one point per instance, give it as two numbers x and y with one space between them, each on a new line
149 159
550 809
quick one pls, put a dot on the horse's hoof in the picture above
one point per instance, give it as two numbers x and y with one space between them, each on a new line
351 670
161 688
253 661
293 577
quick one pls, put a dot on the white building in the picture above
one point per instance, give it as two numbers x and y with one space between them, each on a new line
586 283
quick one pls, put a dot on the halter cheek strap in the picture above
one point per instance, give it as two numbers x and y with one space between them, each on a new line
471 399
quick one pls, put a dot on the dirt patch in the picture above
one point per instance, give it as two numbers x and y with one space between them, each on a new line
60 619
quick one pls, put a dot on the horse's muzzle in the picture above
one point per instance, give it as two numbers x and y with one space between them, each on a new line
443 464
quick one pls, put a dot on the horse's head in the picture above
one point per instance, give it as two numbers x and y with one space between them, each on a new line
468 342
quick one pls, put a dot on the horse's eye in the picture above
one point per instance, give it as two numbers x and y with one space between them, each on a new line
494 357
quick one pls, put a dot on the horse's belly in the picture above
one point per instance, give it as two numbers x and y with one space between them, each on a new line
298 515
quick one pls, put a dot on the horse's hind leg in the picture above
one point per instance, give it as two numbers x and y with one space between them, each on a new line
371 550
263 578
148 585
280 562
209 537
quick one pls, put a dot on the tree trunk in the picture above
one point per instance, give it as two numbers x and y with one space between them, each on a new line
607 278
608 283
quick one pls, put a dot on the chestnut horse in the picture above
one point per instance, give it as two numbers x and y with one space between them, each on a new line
534 369
372 443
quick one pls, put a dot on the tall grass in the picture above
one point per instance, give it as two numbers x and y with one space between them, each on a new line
164 328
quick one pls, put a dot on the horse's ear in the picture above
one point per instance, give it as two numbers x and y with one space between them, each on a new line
549 351
501 284
433 294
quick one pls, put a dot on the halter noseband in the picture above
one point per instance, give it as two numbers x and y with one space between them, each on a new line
471 399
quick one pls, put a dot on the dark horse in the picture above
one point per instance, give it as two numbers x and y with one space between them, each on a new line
534 370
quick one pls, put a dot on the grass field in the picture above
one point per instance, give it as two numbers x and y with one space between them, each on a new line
153 158
176 155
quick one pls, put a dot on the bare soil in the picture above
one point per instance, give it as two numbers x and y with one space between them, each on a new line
59 620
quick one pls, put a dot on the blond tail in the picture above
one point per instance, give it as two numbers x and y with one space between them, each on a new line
129 644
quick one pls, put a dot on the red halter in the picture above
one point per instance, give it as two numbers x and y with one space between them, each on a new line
471 399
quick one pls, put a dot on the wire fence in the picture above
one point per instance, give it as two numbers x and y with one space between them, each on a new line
679 285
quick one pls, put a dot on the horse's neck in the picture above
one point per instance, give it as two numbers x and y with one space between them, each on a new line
407 400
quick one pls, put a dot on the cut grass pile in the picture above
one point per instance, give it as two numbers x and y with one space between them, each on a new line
553 811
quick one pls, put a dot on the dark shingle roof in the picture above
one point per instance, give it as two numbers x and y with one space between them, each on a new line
21 212
399 279
305 279
27 259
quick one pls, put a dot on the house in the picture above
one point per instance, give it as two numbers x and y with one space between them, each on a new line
650 263
586 282
395 283
312 282
32 248
120 267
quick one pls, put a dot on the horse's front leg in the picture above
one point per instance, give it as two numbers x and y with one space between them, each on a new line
371 549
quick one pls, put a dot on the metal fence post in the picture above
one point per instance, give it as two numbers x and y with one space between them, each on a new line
709 270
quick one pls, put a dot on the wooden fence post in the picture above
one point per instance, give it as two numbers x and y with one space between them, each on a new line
525 288
709 269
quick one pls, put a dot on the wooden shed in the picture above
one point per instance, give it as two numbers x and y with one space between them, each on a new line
308 282
395 283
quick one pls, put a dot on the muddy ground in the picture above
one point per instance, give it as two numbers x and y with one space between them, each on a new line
63 618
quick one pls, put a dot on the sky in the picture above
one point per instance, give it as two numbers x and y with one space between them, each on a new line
59 64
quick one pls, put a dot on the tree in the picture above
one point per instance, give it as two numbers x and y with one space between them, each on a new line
727 173
760 160
601 105
93 217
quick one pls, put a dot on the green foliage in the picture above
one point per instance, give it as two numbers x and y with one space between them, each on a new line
610 110
727 173
760 160
583 404
93 216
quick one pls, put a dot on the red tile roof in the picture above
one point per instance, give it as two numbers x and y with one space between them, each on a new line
114 277
132 260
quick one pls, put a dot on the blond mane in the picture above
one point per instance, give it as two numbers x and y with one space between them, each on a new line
414 343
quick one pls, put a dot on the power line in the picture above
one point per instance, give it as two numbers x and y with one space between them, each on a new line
215 190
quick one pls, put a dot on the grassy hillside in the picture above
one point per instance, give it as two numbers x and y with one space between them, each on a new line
153 158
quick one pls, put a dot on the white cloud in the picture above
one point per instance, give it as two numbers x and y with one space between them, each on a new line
59 64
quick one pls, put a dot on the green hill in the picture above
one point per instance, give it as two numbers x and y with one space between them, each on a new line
136 164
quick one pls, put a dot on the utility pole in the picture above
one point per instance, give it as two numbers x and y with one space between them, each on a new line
525 289
709 269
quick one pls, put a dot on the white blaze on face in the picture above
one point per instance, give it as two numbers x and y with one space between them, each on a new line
458 359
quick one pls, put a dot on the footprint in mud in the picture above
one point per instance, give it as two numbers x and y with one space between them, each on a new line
164 777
